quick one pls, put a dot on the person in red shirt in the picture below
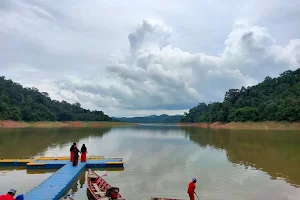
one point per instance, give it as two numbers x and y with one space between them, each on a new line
191 189
9 196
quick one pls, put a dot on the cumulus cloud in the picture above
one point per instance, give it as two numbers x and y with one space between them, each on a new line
146 34
156 75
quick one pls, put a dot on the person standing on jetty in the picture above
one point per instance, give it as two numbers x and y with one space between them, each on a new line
71 152
83 153
76 155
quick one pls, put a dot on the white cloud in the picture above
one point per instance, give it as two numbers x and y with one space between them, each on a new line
156 75
179 55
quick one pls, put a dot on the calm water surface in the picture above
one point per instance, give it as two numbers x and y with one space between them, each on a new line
161 160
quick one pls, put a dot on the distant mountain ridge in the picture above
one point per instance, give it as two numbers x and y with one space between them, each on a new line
150 119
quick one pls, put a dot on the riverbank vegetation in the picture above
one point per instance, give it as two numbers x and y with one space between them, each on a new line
28 104
275 99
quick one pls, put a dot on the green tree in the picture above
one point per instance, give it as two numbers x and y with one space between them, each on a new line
14 113
274 99
28 104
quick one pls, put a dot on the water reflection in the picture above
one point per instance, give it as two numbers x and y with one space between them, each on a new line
28 142
160 160
74 188
275 152
82 180
4 169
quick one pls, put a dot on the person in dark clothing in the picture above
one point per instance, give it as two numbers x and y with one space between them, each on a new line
20 197
83 153
74 143
83 148
71 152
76 155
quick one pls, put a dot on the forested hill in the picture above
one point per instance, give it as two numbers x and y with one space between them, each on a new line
275 99
151 119
28 104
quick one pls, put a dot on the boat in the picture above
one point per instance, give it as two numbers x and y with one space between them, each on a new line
100 189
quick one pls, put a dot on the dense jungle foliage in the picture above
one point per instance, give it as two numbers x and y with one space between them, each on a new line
275 99
28 104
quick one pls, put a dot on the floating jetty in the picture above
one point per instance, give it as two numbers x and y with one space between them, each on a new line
14 162
58 162
56 185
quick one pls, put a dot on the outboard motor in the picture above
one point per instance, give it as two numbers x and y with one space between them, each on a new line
112 192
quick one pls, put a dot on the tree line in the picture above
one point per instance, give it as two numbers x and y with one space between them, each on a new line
274 99
28 104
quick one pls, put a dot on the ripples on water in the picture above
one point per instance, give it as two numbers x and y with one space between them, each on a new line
161 160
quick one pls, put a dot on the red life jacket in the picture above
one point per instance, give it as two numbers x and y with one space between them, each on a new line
114 196
6 197
191 188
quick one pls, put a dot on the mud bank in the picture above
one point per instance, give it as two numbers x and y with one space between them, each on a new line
78 124
247 125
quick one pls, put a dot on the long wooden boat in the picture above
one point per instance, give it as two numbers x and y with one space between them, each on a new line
100 189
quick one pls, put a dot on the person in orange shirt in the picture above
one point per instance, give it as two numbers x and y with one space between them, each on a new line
191 189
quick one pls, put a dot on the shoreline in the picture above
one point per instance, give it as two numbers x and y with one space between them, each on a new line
57 124
268 125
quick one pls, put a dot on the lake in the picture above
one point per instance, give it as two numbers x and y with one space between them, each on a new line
161 160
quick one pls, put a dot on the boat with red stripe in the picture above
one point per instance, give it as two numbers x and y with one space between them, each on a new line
100 189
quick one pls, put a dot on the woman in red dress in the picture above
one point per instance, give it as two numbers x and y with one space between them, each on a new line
83 153
71 152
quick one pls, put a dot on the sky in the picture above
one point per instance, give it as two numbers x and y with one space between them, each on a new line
138 58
